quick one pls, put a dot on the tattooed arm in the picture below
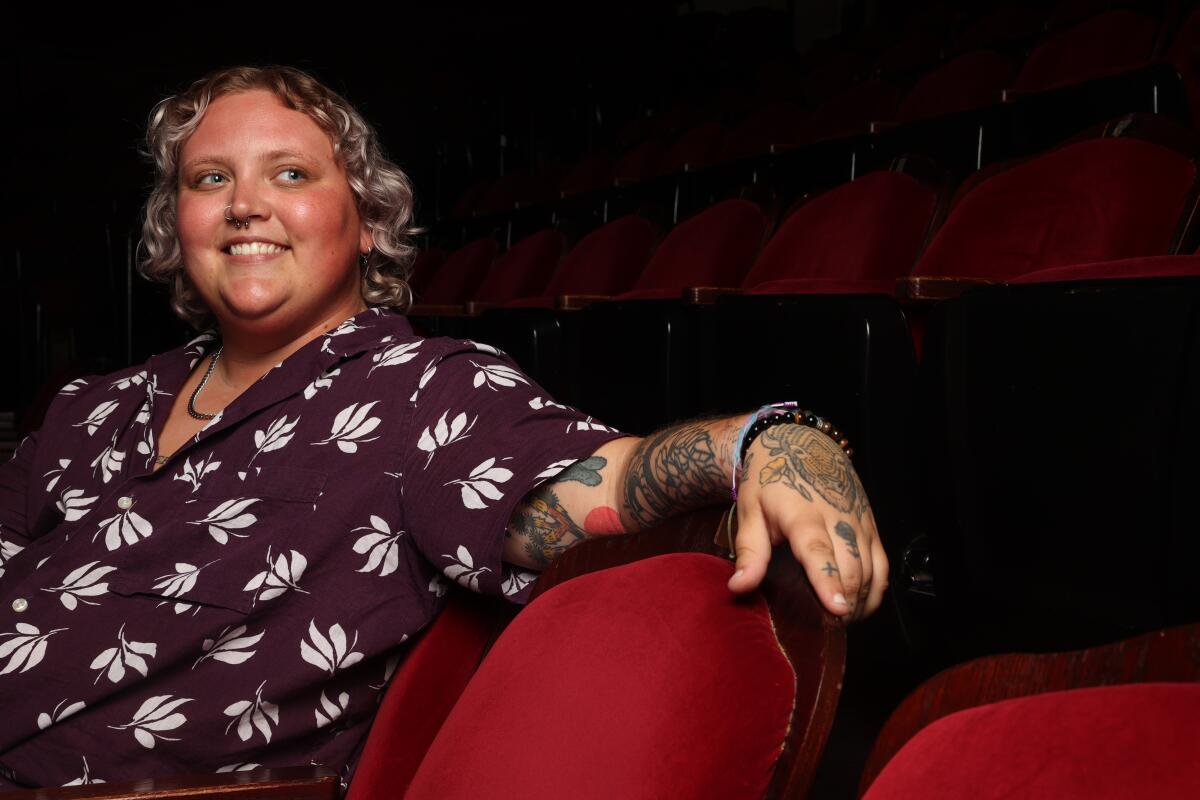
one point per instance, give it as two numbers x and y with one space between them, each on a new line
796 486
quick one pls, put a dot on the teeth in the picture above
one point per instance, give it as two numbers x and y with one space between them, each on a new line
254 248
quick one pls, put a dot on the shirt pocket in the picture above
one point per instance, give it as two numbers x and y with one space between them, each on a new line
232 549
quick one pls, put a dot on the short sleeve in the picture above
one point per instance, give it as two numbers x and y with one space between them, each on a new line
481 436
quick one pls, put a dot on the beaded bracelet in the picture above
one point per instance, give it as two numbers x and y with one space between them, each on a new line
781 414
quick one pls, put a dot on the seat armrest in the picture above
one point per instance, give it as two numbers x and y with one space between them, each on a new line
705 295
575 302
929 288
290 783
436 310
474 308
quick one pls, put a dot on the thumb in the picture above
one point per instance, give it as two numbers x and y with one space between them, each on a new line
753 549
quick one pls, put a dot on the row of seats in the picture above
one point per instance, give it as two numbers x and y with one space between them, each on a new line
1119 43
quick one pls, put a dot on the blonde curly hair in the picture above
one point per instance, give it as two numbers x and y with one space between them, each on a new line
382 192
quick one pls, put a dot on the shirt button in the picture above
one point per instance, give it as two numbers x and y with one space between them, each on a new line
125 503
20 604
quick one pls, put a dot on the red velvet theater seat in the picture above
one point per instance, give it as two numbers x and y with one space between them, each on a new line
1106 742
456 279
1094 200
968 82
1129 268
1107 44
713 248
605 262
858 237
523 270
647 680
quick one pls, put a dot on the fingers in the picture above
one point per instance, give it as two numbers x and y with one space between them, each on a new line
879 583
811 546
753 549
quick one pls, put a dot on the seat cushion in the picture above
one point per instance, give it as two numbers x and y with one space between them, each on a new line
1133 740
646 680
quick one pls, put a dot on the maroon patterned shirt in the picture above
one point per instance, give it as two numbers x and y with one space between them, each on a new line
247 603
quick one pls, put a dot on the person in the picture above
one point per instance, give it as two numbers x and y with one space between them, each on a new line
213 561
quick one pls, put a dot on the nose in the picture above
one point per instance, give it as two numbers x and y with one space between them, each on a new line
249 202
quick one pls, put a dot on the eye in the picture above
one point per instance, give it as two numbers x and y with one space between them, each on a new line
291 175
210 179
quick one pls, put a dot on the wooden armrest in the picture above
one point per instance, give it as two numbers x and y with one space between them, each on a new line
927 288
575 302
703 295
476 307
435 310
291 783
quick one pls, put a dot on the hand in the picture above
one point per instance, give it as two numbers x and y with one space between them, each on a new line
797 485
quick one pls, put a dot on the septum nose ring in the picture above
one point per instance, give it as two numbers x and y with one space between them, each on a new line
237 223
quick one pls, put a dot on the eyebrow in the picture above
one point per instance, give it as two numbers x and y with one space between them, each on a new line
274 155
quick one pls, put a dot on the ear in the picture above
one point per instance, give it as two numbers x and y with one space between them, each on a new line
366 239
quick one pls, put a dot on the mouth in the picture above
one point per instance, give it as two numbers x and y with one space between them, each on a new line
253 247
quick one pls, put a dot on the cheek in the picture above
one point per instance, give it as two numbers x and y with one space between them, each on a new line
325 220
196 222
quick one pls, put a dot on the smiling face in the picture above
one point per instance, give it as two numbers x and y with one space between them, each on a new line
293 271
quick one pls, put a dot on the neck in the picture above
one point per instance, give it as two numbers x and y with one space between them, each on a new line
249 353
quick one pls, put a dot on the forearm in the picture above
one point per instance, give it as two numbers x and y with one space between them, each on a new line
627 485
678 469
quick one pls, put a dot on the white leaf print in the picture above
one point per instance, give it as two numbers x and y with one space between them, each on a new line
351 425
63 463
497 375
463 569
73 505
382 545
109 461
396 354
155 714
514 580
86 779
146 445
228 518
589 424
194 473
81 583
127 527
442 434
143 414
179 583
137 379
276 436
485 348
113 661
250 714
437 585
73 387
58 714
230 647
332 710
538 403
7 551
481 483
389 668
430 369
98 416
25 648
243 767
321 382
332 653
280 575
555 468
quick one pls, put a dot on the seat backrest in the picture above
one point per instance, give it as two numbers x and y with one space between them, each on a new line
697 148
608 260
425 265
653 720
870 228
638 163
713 248
424 687
593 173
455 280
523 270
970 81
1093 200
850 112
1171 655
1107 44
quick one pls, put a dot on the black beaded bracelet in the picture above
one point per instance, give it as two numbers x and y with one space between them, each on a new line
793 417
